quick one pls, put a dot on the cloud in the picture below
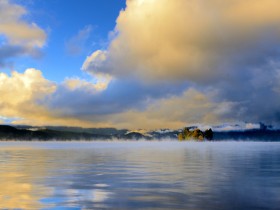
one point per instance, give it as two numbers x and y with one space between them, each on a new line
186 40
16 30
227 47
119 96
8 51
25 98
31 99
171 112
100 84
76 44
18 37
168 64
128 104
94 62
21 94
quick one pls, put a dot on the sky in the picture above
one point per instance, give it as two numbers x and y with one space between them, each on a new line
139 63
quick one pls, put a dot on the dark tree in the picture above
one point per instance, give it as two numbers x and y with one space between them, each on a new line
208 134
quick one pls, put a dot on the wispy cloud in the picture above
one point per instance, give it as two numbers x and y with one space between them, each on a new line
76 44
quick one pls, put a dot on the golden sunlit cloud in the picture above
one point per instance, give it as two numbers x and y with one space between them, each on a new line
174 112
25 97
16 30
76 83
184 40
21 93
223 46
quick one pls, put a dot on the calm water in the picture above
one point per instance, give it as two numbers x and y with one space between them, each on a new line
140 175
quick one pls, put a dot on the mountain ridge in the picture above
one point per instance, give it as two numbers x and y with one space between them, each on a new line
46 133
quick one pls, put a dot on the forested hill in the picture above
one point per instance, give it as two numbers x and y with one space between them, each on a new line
28 133
11 133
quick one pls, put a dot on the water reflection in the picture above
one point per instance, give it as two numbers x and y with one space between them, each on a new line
21 169
139 175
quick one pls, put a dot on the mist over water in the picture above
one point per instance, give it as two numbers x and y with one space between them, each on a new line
140 175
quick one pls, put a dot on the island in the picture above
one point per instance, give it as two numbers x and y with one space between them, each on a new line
190 133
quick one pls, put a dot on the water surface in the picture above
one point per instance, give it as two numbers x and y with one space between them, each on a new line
140 175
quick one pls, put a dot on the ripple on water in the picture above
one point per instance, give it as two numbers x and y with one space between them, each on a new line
129 175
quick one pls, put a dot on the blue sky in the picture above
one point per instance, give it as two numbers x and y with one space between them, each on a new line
63 20
139 63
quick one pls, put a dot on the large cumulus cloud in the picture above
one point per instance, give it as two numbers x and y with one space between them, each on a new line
21 94
187 40
17 36
26 98
29 98
230 48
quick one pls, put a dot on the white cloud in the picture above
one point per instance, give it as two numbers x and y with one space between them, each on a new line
18 37
229 47
19 88
100 84
94 61
16 30
26 98
21 94
186 40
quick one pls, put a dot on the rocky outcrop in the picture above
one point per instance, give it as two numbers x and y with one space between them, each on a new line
195 134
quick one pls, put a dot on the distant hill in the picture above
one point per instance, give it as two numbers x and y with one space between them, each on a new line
46 133
254 134
97 131
12 133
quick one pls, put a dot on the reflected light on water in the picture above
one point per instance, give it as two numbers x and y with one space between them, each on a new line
143 175
20 170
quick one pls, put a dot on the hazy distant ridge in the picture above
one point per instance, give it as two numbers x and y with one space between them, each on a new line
8 132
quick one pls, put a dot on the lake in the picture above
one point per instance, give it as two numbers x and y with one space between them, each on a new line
140 175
